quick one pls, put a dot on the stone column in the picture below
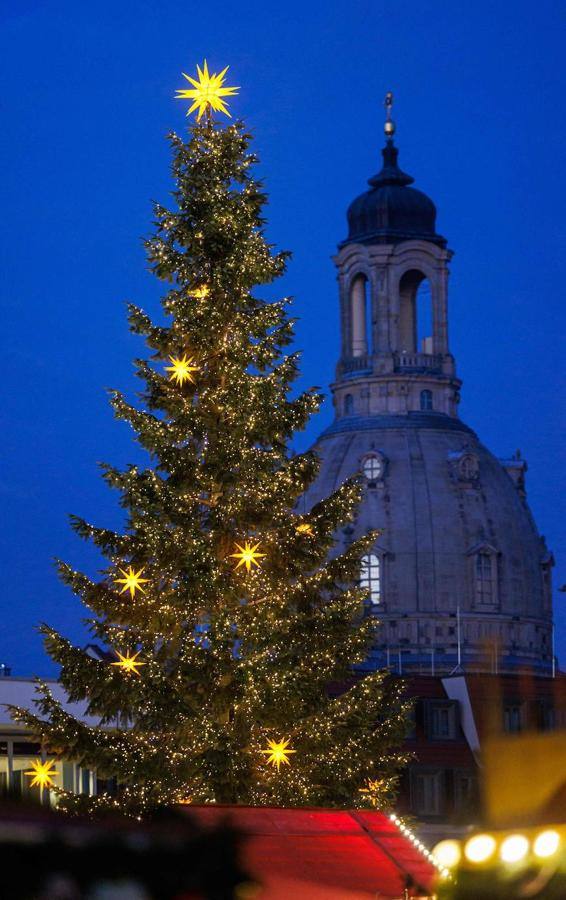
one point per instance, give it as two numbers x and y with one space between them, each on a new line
439 289
380 307
344 315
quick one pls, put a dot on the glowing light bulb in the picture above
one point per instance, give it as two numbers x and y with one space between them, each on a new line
546 844
447 854
479 848
514 848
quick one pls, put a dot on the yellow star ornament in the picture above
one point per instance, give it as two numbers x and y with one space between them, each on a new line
207 92
247 555
128 663
42 773
132 581
304 528
182 369
200 292
372 790
277 752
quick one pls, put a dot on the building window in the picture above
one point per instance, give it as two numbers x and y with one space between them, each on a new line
426 400
512 718
370 577
485 565
412 723
426 793
348 405
466 792
441 719
372 467
546 716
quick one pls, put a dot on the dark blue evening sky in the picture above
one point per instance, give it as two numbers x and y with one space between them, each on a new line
86 101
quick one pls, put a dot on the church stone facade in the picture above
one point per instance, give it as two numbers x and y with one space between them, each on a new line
459 577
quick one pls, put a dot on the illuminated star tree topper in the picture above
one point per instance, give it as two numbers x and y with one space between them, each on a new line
207 92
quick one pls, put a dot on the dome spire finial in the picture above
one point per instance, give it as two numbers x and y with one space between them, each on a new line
389 126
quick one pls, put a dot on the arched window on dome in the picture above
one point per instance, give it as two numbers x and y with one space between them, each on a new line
359 318
426 400
348 405
415 313
370 576
485 572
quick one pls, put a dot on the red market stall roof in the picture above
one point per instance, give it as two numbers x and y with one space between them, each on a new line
325 854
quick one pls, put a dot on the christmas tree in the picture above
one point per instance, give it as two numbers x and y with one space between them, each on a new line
226 613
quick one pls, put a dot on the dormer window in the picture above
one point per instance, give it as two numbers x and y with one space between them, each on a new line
485 571
484 574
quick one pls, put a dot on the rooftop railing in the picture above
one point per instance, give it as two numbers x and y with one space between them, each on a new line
431 362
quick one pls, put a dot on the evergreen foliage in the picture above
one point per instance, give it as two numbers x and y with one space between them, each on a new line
231 658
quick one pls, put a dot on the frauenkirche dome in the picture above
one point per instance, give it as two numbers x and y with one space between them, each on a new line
459 576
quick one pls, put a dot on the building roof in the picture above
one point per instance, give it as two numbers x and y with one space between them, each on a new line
432 421
324 854
484 697
23 691
434 516
391 211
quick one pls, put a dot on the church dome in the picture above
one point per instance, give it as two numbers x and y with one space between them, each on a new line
391 211
458 560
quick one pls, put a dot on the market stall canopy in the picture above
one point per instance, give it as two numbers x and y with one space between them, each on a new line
325 854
